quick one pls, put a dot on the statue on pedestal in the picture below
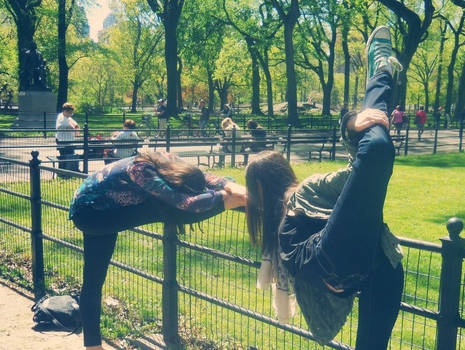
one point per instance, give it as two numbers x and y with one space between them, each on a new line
35 70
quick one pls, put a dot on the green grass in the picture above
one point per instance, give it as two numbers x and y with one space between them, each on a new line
423 193
6 121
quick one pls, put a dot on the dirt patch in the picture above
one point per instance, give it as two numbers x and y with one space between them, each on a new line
16 325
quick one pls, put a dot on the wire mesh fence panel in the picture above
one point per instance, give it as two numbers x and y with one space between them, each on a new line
217 268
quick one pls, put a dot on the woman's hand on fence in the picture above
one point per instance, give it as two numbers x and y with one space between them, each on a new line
236 195
367 118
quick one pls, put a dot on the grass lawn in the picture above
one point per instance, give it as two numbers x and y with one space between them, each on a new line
6 121
423 193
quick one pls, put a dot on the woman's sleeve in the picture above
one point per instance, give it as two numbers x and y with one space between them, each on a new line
157 187
215 182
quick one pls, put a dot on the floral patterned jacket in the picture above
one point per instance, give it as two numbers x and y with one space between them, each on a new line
125 183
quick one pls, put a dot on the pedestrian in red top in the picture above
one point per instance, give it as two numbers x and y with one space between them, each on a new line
420 120
397 118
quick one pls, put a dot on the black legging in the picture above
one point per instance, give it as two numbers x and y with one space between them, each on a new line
100 230
97 255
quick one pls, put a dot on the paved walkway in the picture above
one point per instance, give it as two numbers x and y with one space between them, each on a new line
16 324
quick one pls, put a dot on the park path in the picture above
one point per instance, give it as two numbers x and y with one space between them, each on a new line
16 324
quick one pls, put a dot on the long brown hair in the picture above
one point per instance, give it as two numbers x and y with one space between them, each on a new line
177 173
268 177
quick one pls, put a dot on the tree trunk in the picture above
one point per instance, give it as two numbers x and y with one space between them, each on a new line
255 103
426 87
291 79
450 79
63 68
179 85
171 60
439 77
135 90
460 105
269 85
222 89
345 49
355 98
211 91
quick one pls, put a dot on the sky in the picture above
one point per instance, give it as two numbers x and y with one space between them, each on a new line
95 15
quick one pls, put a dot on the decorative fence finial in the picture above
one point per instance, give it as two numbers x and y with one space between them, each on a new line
454 226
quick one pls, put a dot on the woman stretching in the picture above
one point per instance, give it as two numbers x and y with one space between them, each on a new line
150 187
327 233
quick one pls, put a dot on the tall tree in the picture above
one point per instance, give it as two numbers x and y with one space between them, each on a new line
65 13
414 30
24 13
258 27
457 32
460 105
135 40
423 66
443 31
169 11
289 13
317 47
203 36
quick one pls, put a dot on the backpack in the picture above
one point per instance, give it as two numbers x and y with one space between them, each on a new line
60 311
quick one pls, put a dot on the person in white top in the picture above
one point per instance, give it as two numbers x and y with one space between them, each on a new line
126 134
66 126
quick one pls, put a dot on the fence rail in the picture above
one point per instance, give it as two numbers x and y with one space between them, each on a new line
207 278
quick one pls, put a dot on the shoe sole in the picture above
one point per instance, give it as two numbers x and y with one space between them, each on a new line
370 39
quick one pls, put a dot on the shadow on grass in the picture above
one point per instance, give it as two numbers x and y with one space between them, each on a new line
449 160
442 219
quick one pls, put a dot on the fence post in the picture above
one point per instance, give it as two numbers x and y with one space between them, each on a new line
233 147
461 135
170 287
87 118
453 249
436 128
85 166
45 125
124 116
333 150
37 249
406 138
289 139
168 137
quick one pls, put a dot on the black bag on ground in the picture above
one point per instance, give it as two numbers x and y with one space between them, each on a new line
60 311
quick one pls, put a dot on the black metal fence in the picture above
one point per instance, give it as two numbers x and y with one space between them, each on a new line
213 148
200 286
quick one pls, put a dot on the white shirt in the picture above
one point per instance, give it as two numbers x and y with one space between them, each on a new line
65 123
125 135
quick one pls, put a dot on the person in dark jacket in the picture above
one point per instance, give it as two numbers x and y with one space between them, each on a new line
258 134
147 188
326 235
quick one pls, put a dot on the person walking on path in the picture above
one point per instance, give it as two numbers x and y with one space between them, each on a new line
325 238
420 121
151 187
397 119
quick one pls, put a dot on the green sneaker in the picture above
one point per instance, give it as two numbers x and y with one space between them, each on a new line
378 53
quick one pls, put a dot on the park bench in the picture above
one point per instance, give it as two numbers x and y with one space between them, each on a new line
398 141
319 145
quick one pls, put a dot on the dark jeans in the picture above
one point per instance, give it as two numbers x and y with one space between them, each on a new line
345 249
65 152
100 230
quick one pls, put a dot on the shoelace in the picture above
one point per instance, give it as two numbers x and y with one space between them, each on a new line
396 65
381 54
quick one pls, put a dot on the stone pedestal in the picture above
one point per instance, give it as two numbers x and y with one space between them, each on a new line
32 105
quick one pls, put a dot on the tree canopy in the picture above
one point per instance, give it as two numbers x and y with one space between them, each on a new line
264 54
